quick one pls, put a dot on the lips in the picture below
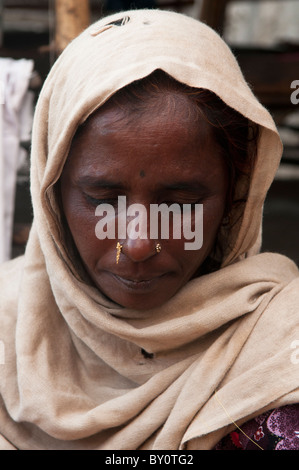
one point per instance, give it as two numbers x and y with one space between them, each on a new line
143 283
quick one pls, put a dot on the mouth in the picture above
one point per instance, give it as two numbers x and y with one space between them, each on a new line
139 284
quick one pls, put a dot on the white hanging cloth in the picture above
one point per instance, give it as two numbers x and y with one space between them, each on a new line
16 111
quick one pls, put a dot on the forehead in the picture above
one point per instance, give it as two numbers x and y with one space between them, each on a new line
173 107
165 131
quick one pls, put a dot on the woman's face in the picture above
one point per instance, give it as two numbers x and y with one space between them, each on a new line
163 155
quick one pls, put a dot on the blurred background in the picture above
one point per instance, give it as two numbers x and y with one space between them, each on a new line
264 35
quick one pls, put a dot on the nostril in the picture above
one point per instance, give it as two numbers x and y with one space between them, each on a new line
139 250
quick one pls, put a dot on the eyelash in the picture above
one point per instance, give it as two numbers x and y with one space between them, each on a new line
113 201
181 204
97 202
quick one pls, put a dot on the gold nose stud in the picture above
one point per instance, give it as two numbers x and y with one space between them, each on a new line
158 247
118 251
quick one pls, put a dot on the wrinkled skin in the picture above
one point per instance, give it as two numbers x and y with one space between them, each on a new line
150 158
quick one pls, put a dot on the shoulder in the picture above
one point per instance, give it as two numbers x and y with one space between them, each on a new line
12 267
10 278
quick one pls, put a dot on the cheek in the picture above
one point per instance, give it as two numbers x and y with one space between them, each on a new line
204 229
213 216
192 250
81 222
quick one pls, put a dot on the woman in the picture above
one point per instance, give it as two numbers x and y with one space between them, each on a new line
135 342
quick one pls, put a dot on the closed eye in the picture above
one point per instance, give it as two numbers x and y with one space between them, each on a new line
96 202
182 204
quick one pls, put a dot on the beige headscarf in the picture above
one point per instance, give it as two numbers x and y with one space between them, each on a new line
74 376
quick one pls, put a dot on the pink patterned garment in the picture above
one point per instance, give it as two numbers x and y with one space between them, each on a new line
275 430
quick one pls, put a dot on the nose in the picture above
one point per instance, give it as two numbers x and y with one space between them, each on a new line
139 249
138 245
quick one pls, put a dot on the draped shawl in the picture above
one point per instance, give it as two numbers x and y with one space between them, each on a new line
72 372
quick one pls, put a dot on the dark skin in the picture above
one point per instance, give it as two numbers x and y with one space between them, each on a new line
151 158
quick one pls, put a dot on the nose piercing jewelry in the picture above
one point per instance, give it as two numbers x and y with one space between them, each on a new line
118 251
119 248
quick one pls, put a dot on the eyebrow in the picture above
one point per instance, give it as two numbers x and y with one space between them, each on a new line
96 183
191 186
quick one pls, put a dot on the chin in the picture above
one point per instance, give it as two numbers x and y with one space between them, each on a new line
140 303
